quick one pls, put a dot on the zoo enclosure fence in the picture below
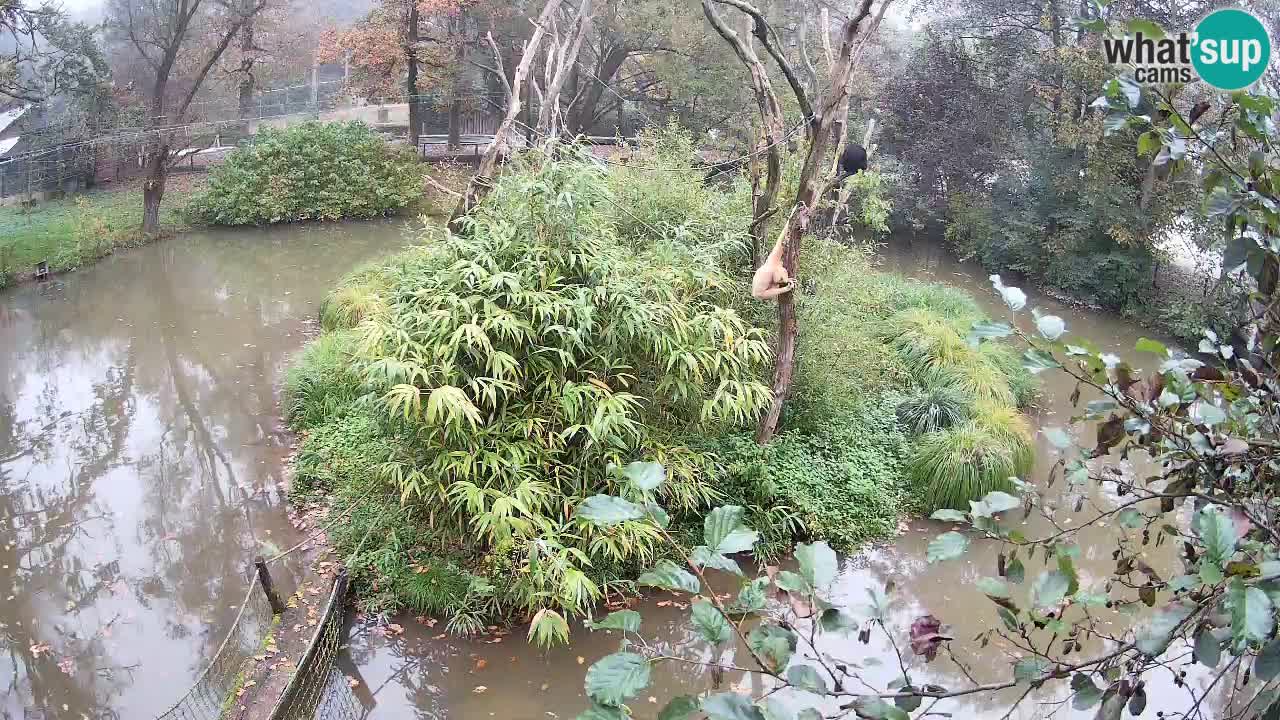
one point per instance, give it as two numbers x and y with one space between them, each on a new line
317 689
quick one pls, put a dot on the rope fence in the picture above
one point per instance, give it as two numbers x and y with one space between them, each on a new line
214 691
318 689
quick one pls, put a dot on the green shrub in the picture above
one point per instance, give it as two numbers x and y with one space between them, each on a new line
343 450
952 467
508 367
660 188
311 171
1025 386
843 483
322 382
358 297
932 409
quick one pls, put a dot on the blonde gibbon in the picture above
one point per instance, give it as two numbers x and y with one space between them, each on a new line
771 278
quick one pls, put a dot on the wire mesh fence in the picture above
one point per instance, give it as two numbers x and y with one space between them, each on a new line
214 691
318 688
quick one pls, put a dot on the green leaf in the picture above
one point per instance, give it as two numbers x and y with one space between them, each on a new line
947 546
713 626
1130 518
774 645
1030 668
602 712
1207 413
835 620
993 587
669 576
948 516
992 503
705 558
1251 613
1266 667
679 708
791 582
806 678
730 706
817 563
874 708
752 597
645 476
1149 142
624 620
607 510
1037 361
615 679
1085 693
1146 27
724 533
1015 572
774 709
1154 637
1237 252
1050 589
1218 532
1151 346
985 330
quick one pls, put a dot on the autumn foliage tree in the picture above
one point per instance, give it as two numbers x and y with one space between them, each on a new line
178 43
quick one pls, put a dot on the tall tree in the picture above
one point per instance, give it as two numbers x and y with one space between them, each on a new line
824 110
179 42
43 54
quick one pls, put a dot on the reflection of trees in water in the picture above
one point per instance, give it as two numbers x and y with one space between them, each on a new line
413 672
164 361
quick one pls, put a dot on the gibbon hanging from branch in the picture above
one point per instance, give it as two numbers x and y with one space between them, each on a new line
771 279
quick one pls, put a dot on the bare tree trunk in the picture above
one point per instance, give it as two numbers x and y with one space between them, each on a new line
771 118
411 85
455 103
455 121
822 117
482 182
564 57
248 82
153 189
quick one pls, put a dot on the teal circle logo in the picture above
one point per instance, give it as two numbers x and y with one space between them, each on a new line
1232 49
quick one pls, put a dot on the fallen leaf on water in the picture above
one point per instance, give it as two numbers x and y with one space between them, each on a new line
544 687
581 659
352 682
67 665
478 689
441 636
39 649
653 699
480 665
394 628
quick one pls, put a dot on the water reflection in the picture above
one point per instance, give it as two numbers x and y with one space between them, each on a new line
140 458
425 675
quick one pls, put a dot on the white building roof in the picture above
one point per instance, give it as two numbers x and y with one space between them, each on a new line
9 117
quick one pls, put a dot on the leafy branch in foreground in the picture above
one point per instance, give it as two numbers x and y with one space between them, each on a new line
778 621
1209 428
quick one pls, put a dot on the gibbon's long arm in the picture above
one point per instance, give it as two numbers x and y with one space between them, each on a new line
771 279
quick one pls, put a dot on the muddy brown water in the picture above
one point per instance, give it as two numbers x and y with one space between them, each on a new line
141 458
423 674
141 467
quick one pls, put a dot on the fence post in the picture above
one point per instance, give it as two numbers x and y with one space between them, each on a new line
268 586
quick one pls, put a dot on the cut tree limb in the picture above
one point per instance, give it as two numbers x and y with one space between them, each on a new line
482 182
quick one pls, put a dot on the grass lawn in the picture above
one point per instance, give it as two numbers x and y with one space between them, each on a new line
77 230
